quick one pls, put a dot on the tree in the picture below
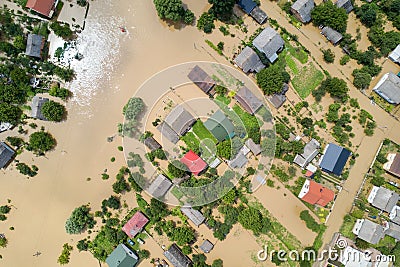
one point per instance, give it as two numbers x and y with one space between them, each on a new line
112 202
329 56
251 219
19 43
378 181
177 169
222 9
183 235
10 113
361 79
335 87
62 29
272 79
82 245
186 250
368 14
170 9
224 149
3 242
306 122
60 92
188 17
230 196
221 90
217 263
5 209
65 254
206 22
144 254
41 142
80 219
53 111
133 108
328 14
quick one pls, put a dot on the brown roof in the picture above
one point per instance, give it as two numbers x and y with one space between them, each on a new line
248 100
199 77
43 7
151 143
394 164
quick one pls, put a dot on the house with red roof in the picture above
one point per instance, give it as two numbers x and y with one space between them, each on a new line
43 7
316 194
194 163
135 224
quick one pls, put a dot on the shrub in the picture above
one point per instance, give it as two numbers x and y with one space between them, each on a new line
310 222
53 111
206 22
329 56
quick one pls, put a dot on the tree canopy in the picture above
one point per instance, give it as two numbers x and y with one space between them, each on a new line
173 10
328 14
222 9
251 218
80 219
41 142
177 169
133 108
10 113
53 111
271 79
334 86
224 149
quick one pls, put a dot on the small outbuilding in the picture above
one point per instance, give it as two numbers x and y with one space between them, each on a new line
200 78
395 55
6 155
332 35
346 4
252 9
393 164
152 143
160 186
193 215
206 246
249 61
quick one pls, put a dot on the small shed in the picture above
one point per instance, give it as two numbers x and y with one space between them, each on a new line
194 215
34 45
152 143
6 154
259 15
332 35
160 186
206 246
346 4
200 78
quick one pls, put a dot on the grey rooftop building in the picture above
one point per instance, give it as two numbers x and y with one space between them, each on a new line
34 45
389 88
6 154
175 256
368 231
346 4
160 186
194 215
383 198
206 246
311 150
180 120
395 55
168 133
248 100
249 61
36 107
301 9
270 43
332 35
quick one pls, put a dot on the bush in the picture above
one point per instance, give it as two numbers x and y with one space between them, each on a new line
188 17
206 22
177 169
344 60
41 142
271 79
62 29
65 254
5 209
26 170
53 111
60 92
310 222
80 219
329 56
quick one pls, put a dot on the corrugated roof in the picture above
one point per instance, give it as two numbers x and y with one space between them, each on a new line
220 126
395 55
247 5
302 9
194 215
317 194
160 186
259 15
168 133
206 246
122 256
36 107
135 224
180 120
175 256
194 163
199 77
151 143
346 4
332 35
255 148
248 100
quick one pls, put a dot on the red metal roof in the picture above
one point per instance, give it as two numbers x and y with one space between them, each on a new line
194 163
317 194
43 7
135 224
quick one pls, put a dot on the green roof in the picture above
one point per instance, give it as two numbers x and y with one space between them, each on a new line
220 126
122 256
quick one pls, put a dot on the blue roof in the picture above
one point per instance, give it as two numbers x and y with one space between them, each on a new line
247 5
334 159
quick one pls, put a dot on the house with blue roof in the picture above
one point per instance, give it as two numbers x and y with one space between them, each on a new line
334 159
252 9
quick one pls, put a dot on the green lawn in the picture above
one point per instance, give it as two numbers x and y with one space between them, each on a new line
202 133
298 53
191 141
208 151
291 64
307 80
248 120
223 99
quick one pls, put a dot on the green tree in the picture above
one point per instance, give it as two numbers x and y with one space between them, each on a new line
329 56
188 17
361 79
230 196
3 242
19 43
53 111
80 219
177 169
206 22
144 254
251 219
224 149
65 254
62 29
133 108
10 113
328 14
186 250
5 209
368 14
222 9
60 92
41 142
217 263
183 235
271 79
170 9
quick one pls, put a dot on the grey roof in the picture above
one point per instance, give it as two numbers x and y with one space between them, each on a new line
207 246
270 43
385 199
152 143
302 9
395 55
6 154
180 120
277 100
194 215
199 77
346 4
34 45
175 256
311 150
248 100
389 88
122 256
393 230
333 36
249 61
255 148
371 232
36 107
259 15
395 215
168 133
160 186
239 161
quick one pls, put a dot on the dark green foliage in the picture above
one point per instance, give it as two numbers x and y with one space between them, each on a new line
329 56
224 149
112 202
188 17
251 219
183 235
177 169
378 181
186 250
82 245
385 41
361 79
60 92
334 86
15 141
62 29
133 108
41 142
10 113
271 79
170 9
217 263
222 9
80 219
26 170
105 242
310 222
328 14
206 22
13 93
381 158
143 254
157 210
53 111
5 209
368 14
